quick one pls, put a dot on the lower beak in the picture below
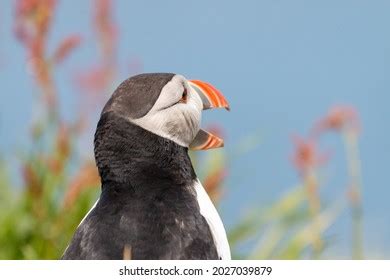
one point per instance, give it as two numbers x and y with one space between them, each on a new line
211 98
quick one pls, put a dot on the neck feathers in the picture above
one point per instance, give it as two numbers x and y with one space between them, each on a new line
128 155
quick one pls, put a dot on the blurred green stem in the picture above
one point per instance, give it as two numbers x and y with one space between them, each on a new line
355 196
266 246
311 186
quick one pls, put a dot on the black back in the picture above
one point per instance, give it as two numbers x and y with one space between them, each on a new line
147 202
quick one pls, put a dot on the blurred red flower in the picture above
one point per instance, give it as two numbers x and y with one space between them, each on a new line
105 26
213 183
65 47
32 19
31 180
87 177
98 78
306 155
94 80
338 118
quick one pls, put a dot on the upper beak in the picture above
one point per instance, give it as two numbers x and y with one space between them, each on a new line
211 98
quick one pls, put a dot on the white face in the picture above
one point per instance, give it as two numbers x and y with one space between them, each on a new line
175 116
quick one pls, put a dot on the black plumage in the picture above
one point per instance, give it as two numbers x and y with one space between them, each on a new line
147 202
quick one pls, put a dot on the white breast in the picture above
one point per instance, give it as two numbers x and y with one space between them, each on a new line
208 211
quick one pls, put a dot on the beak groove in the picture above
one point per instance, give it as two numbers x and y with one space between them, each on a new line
211 98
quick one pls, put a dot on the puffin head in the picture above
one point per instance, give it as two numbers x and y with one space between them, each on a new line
168 105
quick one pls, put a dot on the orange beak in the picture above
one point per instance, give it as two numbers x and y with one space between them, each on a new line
211 98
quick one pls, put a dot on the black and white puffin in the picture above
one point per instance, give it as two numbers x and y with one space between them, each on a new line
152 203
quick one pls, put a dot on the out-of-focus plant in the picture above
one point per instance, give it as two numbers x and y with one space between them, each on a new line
306 160
58 186
345 121
97 79
295 225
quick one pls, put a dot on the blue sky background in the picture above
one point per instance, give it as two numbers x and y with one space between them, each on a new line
281 64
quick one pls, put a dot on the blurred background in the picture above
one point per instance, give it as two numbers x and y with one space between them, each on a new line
303 171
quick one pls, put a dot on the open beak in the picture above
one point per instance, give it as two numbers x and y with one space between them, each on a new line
211 98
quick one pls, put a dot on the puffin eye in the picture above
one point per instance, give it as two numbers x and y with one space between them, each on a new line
184 96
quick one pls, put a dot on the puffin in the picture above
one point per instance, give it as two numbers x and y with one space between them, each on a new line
152 206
